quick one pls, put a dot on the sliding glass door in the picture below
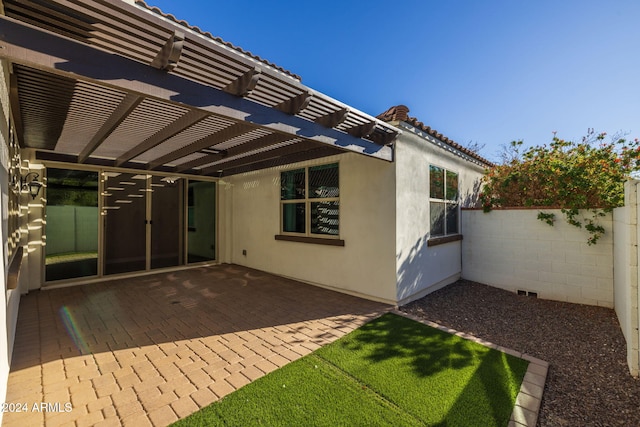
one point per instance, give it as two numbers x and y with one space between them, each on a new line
201 214
145 222
166 221
125 222
130 222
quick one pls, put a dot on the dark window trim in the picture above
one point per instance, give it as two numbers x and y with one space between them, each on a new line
446 202
307 200
315 240
435 241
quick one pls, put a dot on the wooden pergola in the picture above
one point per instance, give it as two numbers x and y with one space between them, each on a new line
116 83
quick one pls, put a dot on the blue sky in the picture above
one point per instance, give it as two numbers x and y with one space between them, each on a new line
477 71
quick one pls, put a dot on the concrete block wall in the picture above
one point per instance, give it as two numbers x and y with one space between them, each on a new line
513 250
626 295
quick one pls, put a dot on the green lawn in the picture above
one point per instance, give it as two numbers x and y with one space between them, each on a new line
391 371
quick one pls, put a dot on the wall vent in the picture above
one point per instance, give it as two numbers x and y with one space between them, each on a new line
527 293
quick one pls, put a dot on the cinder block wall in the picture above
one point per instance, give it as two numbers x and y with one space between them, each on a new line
513 250
626 297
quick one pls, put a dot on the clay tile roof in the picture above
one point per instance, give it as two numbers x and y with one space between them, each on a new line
400 113
207 34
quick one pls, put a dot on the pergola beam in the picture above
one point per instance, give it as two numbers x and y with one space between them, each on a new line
34 47
363 130
383 138
332 120
244 84
168 57
183 122
296 104
95 161
126 106
256 144
225 134
292 148
314 153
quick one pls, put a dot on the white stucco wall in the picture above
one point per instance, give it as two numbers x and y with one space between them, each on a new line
8 304
422 269
32 233
364 266
625 273
513 250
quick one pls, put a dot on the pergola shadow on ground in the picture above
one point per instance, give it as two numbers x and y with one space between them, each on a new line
152 349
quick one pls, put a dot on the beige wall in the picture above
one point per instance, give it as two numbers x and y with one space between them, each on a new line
625 273
32 230
513 250
384 220
422 269
9 299
364 266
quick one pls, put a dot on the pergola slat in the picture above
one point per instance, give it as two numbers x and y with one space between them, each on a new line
14 100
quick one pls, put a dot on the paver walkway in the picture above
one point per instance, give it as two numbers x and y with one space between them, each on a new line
151 350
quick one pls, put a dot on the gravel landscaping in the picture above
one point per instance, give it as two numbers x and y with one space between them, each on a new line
588 383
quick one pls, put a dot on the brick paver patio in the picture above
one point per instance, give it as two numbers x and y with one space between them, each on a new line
151 350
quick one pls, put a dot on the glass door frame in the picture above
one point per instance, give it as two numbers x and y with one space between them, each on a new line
184 264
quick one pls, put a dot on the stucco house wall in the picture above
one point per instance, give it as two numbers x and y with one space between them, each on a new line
384 220
363 266
420 268
9 299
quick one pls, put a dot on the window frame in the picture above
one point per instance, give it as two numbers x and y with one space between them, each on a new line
446 201
308 201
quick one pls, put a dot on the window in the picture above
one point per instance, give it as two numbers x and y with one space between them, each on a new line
443 201
310 201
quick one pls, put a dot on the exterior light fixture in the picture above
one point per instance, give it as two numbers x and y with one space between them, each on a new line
170 179
31 183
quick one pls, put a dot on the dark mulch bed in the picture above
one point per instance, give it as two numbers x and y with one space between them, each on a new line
588 383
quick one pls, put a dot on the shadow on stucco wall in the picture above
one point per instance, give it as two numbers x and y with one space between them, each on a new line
412 269
472 198
421 266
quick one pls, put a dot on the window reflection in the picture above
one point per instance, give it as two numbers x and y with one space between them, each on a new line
201 236
72 224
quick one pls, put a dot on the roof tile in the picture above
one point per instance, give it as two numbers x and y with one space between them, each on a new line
207 34
400 113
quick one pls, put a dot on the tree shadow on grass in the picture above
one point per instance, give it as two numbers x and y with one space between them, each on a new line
439 378
491 393
427 350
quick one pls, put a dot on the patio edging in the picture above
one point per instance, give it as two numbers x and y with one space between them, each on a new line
527 407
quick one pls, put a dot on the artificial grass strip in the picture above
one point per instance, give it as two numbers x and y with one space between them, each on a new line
437 377
306 392
392 371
